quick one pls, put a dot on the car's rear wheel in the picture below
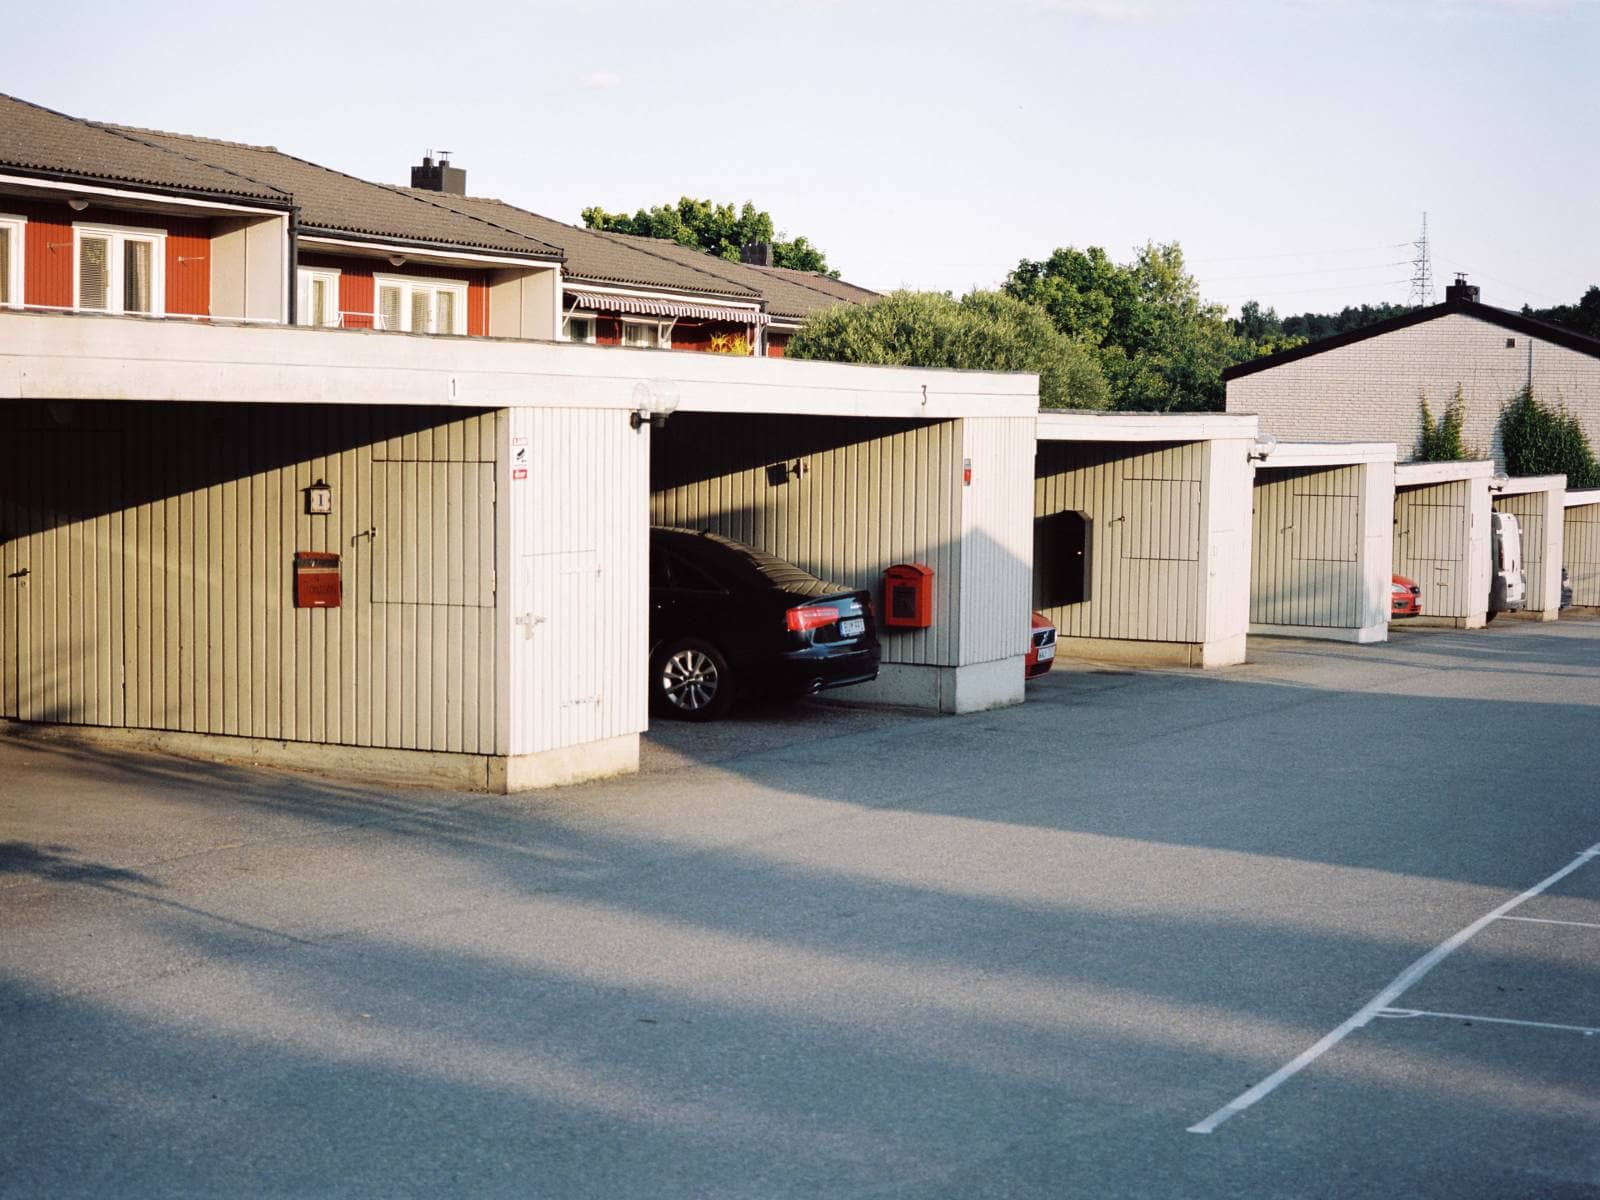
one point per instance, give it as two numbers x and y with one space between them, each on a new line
690 680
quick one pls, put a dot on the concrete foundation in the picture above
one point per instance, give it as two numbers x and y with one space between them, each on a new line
1365 635
973 688
368 764
1225 652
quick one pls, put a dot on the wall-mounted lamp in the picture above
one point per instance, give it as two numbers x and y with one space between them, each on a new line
780 473
653 402
1264 445
77 204
1498 483
319 499
397 260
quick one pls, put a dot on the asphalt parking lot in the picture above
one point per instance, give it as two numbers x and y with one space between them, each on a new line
845 952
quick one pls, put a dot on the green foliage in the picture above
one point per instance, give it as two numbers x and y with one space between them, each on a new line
1582 317
1540 440
1160 347
1313 327
986 331
1441 438
718 229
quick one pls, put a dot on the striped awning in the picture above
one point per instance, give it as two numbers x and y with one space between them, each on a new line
644 306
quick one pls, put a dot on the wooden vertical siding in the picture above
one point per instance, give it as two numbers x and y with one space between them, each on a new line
1306 547
158 543
1581 553
1529 509
1146 520
1431 545
876 492
577 552
996 537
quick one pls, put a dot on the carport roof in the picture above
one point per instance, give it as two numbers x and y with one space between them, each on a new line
1582 496
1328 454
1413 474
1058 426
1522 485
42 357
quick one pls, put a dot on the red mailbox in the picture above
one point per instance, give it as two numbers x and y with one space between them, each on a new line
316 580
908 596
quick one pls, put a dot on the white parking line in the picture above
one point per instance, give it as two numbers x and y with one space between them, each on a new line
1382 1000
1422 1012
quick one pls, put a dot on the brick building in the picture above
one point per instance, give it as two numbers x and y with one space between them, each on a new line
1367 385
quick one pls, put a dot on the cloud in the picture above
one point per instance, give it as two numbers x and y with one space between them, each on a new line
600 81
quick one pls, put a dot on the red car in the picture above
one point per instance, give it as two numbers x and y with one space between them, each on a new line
1041 647
1405 598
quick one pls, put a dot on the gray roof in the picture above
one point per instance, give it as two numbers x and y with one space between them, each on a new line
787 293
338 203
606 257
33 138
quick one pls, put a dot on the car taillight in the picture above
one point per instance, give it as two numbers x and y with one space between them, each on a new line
810 616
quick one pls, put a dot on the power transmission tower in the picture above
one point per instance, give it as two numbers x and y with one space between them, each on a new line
1422 270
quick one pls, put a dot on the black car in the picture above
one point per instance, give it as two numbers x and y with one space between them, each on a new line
727 619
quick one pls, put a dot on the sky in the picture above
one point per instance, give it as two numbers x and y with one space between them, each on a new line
1290 148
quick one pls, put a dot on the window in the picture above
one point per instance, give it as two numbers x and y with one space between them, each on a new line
654 334
420 305
318 300
119 270
11 249
580 327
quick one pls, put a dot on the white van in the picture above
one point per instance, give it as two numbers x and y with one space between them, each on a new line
1508 584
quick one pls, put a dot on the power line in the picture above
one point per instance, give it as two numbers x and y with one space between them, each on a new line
1312 271
1304 291
1303 253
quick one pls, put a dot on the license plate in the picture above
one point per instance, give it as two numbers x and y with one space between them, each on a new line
1046 653
852 627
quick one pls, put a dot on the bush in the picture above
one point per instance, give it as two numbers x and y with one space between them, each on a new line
983 331
1441 439
1540 440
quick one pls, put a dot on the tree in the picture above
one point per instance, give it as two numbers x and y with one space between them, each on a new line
986 331
1582 317
717 229
1540 440
1159 345
1313 327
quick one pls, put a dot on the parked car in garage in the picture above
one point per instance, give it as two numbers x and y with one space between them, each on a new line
1405 597
1041 647
1508 584
1566 589
728 620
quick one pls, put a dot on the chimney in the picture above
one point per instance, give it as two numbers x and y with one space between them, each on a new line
441 177
757 254
1460 290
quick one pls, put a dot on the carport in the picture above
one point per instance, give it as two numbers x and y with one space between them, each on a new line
927 468
1142 535
1580 545
1539 504
1320 543
170 494
1441 538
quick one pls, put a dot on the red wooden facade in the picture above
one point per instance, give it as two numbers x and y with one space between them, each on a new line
358 298
48 250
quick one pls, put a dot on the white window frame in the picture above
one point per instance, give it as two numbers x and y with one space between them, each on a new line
17 227
663 332
302 307
580 315
118 237
410 283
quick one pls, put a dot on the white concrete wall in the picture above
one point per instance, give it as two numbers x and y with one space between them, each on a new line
523 304
1368 390
248 269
